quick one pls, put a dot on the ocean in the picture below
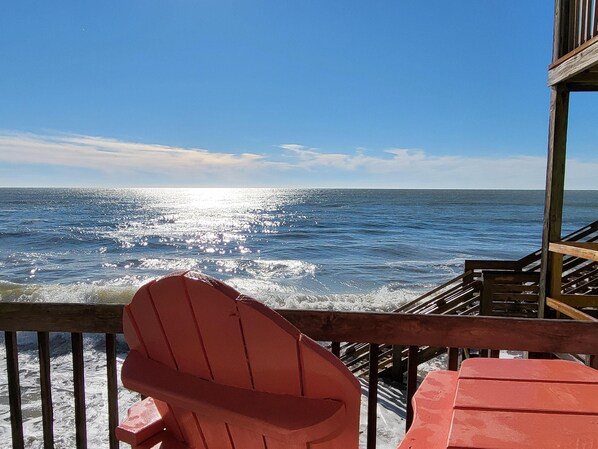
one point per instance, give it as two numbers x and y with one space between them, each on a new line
342 249
294 248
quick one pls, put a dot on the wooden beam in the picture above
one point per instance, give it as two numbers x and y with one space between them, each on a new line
585 250
580 300
575 63
61 317
448 330
550 274
359 327
571 312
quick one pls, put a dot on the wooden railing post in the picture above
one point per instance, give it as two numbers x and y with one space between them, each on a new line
453 359
411 383
486 296
43 342
372 397
112 384
14 389
79 391
563 32
397 368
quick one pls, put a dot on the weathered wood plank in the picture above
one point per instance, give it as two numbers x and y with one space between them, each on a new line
359 327
512 288
580 300
79 391
574 63
14 389
372 396
444 330
514 297
511 278
43 342
61 317
571 312
585 250
476 264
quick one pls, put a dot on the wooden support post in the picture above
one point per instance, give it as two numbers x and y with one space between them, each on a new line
550 275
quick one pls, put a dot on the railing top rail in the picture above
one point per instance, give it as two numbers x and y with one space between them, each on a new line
367 327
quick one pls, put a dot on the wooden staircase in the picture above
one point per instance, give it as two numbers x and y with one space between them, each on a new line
487 287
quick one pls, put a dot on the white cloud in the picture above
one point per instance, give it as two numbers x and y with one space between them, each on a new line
109 154
143 164
413 168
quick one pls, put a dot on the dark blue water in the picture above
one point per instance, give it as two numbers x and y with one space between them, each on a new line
338 248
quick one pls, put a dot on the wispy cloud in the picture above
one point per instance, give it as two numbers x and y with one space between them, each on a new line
108 154
414 168
296 165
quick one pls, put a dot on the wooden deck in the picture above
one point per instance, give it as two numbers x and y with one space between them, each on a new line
408 330
575 58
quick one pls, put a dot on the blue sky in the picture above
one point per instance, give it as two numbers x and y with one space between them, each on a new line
404 94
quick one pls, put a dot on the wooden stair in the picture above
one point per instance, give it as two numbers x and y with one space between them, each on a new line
463 295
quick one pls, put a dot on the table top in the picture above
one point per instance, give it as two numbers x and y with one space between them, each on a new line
507 404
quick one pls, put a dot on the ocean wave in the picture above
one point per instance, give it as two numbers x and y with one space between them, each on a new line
279 295
272 292
70 293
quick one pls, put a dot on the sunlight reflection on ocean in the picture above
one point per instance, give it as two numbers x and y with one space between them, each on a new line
319 248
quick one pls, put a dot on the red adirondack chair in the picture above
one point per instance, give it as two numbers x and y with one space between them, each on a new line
224 371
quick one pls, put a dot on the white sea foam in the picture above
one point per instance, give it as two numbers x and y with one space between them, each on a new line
71 293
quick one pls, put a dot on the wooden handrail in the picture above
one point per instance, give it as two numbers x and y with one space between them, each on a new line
575 27
407 330
584 250
366 327
568 310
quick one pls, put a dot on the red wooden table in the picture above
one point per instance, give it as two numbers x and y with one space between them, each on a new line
507 404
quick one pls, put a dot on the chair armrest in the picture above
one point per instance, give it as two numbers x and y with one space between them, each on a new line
143 421
282 417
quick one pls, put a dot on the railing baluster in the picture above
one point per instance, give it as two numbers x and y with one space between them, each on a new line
584 16
397 363
453 359
112 389
411 382
372 396
14 389
495 353
335 348
595 23
79 390
576 12
43 344
570 28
